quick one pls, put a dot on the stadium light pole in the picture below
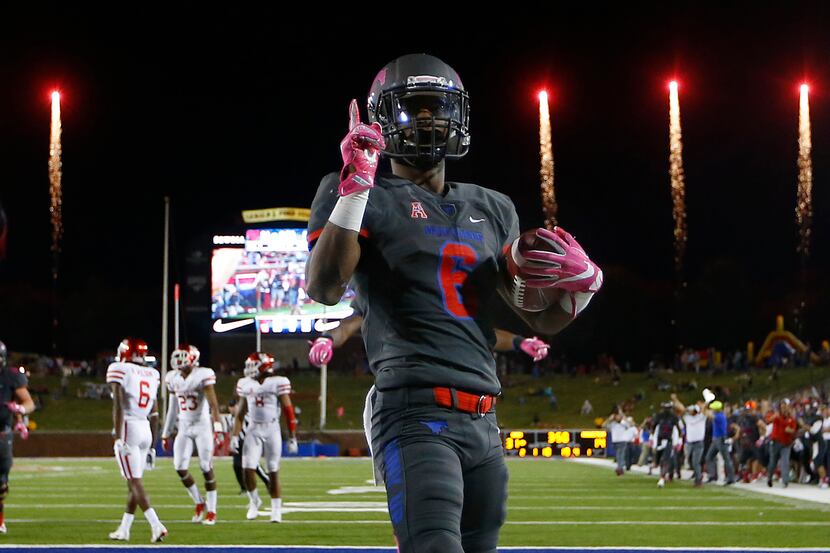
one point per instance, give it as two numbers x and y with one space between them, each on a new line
256 317
165 292
176 290
323 388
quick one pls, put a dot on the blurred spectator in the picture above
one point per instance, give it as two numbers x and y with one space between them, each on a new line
617 425
822 457
782 437
752 431
645 444
65 381
694 423
720 433
665 438
632 439
587 408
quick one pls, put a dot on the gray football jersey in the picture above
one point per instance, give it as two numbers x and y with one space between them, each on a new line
429 266
10 380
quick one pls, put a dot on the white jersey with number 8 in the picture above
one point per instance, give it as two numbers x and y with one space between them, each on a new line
140 385
263 404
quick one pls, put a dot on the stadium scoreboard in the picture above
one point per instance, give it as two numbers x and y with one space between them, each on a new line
555 443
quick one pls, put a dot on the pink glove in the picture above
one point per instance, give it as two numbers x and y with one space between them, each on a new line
360 149
23 429
535 348
15 408
321 351
566 267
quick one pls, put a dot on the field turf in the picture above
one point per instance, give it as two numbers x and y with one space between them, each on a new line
330 502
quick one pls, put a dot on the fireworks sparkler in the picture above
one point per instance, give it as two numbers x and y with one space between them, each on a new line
678 184
804 201
55 174
549 205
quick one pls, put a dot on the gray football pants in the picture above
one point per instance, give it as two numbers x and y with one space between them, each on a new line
445 474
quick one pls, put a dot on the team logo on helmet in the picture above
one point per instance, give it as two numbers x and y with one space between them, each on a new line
131 350
258 363
184 357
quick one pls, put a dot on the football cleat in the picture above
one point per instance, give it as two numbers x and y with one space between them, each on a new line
4 530
120 535
159 533
253 509
210 519
199 514
661 483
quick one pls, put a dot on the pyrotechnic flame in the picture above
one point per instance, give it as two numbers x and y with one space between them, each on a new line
549 205
804 200
678 185
55 174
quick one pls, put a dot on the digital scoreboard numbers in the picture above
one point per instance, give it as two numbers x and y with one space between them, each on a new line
555 443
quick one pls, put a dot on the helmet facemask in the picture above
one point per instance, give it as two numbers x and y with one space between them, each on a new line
184 358
424 121
251 369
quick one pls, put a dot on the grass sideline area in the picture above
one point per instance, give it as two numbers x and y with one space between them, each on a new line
522 398
329 502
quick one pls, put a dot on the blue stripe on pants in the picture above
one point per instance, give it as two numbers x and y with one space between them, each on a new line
394 480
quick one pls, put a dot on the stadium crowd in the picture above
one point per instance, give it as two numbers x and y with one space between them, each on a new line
785 440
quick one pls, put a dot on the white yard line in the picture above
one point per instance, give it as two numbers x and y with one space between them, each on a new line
509 523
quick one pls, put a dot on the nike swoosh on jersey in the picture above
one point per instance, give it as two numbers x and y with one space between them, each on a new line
220 326
475 220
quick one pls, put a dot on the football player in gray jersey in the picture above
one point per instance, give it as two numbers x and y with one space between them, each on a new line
15 402
426 257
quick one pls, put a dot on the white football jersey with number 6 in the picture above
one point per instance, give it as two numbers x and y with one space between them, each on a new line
140 386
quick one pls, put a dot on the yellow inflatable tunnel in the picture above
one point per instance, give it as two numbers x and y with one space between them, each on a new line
781 335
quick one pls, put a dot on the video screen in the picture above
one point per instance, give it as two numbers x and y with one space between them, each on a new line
263 282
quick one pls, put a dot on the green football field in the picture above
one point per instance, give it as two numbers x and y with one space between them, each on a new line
331 502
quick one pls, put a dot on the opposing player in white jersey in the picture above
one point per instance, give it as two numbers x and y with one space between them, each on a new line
135 422
192 406
263 392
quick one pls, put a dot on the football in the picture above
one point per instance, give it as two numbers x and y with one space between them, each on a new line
523 296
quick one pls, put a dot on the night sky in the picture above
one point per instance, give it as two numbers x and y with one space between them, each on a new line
235 109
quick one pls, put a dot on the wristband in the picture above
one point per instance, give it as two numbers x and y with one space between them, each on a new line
348 211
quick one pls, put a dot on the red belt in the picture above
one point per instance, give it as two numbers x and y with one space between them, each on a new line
463 401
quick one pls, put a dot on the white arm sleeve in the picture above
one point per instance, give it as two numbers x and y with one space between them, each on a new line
170 419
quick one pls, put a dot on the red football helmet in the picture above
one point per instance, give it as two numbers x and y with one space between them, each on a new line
131 350
184 357
258 363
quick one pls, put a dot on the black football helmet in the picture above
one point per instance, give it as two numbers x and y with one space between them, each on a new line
423 110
